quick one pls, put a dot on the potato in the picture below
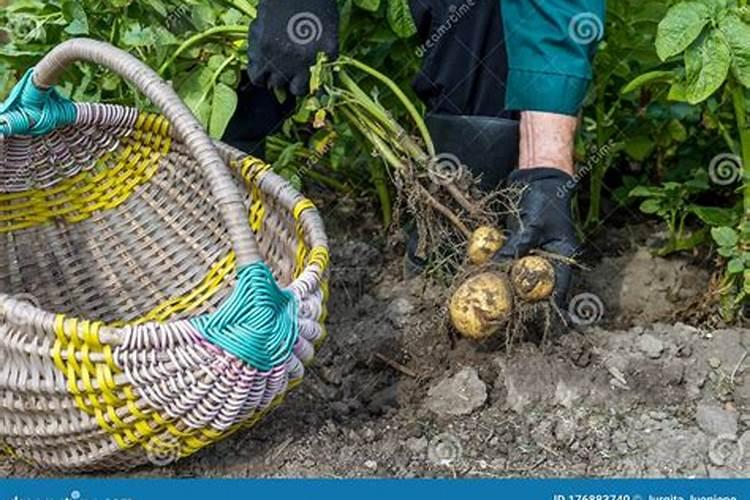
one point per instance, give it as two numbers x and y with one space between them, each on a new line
484 243
533 278
481 305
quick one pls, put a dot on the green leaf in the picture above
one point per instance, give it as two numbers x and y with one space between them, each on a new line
223 105
645 79
737 35
677 92
203 16
682 25
76 17
725 236
193 92
714 216
726 252
368 5
158 6
400 18
707 65
137 36
650 206
639 147
645 191
677 130
736 266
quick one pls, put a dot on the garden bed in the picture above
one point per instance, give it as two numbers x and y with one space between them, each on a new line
639 394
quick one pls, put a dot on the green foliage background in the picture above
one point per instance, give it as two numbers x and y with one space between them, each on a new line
668 97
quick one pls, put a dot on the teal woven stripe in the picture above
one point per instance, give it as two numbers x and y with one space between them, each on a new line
258 323
30 110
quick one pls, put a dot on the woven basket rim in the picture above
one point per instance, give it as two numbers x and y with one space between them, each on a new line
267 181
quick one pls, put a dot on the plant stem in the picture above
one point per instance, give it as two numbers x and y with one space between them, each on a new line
740 111
328 181
376 168
198 38
378 174
275 145
244 7
597 175
415 115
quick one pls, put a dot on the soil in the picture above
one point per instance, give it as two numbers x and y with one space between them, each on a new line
637 393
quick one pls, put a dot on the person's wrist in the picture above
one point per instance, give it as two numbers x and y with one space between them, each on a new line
547 140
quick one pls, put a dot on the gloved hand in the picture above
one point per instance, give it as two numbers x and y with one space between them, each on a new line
286 38
545 222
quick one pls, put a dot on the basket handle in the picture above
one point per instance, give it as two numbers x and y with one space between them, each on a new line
187 128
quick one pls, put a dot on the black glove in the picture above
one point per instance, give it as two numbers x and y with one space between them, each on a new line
286 38
545 222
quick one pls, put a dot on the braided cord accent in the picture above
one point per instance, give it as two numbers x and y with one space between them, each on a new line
258 323
30 110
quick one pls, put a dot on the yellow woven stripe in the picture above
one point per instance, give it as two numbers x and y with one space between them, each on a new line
93 386
96 395
202 293
250 169
110 183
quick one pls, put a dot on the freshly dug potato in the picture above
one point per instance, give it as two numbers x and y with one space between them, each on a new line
481 305
485 242
533 278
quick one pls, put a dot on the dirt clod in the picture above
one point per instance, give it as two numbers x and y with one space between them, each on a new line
460 394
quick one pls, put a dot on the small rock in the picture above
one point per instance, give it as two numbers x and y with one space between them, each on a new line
714 363
399 312
715 420
651 346
371 464
565 431
417 445
369 434
458 395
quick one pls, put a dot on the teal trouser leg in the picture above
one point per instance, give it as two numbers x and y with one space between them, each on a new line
550 46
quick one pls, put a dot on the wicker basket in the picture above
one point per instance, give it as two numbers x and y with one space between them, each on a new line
159 291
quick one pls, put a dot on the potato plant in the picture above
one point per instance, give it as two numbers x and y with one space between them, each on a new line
704 48
650 140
